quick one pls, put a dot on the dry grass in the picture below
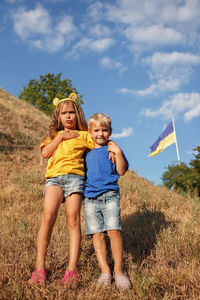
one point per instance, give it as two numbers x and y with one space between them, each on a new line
160 228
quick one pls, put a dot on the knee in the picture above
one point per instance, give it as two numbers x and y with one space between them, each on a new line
49 219
73 222
113 234
99 235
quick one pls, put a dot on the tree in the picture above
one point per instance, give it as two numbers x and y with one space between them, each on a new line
195 163
182 177
41 93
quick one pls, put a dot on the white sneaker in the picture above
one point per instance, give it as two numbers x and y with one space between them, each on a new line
104 280
122 282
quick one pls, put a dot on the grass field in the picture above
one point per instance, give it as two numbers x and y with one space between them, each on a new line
161 229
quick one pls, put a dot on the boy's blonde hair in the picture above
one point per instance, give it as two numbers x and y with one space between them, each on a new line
103 119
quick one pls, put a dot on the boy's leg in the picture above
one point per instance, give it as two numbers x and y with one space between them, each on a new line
116 244
73 205
101 253
121 280
52 201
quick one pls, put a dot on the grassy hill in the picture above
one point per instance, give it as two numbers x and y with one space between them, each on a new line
161 229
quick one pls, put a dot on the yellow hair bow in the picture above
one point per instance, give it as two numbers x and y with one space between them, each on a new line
72 97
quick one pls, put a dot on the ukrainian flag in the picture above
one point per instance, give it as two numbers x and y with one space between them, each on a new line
166 138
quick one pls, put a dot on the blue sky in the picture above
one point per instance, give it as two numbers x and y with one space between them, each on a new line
137 61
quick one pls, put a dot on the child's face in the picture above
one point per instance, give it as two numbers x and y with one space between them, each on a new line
100 134
68 116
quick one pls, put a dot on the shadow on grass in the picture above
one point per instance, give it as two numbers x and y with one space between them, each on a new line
140 232
18 141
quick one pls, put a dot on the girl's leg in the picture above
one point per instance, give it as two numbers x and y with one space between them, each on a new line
52 202
116 244
101 253
73 206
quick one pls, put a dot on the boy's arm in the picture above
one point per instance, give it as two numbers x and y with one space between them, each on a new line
121 165
48 150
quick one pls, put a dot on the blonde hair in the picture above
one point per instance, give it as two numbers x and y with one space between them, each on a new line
56 124
103 119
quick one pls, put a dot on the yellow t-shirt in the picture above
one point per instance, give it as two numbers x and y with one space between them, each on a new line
68 157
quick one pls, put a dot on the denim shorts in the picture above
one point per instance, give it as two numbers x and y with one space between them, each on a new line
102 213
70 183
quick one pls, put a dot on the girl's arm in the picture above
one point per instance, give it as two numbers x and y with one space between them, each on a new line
49 149
121 165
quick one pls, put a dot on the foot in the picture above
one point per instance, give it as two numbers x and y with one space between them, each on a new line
70 277
104 280
38 276
122 282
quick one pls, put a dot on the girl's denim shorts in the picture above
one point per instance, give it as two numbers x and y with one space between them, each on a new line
70 183
102 213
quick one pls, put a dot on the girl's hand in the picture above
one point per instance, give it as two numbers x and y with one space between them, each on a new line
49 149
68 134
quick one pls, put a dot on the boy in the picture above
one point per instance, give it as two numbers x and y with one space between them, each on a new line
102 202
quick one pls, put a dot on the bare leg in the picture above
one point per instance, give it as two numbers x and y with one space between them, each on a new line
101 253
73 205
117 250
52 202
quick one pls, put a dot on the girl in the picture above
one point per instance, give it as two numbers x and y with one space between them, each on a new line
64 147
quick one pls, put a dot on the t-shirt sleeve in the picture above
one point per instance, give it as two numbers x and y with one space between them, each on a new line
45 142
89 141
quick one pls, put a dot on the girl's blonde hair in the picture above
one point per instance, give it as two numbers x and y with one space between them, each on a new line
56 124
103 119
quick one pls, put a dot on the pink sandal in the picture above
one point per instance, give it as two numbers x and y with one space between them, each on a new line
38 276
70 277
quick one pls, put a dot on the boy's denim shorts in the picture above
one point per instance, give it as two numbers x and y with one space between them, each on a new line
102 213
70 183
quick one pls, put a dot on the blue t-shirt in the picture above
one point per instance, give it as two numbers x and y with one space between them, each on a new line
101 173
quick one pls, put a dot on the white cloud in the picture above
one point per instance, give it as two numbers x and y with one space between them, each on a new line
50 44
110 63
154 35
193 112
101 45
148 24
53 1
14 1
162 59
162 85
168 72
30 22
125 133
66 26
187 104
86 45
126 91
140 26
37 28
95 10
99 30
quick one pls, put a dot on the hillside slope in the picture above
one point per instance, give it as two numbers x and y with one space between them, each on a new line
160 228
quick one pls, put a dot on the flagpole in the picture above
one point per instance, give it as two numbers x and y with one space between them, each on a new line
178 157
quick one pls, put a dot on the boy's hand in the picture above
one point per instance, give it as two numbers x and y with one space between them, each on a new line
113 150
117 153
111 156
113 147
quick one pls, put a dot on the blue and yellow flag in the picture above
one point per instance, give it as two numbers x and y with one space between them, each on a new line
166 138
